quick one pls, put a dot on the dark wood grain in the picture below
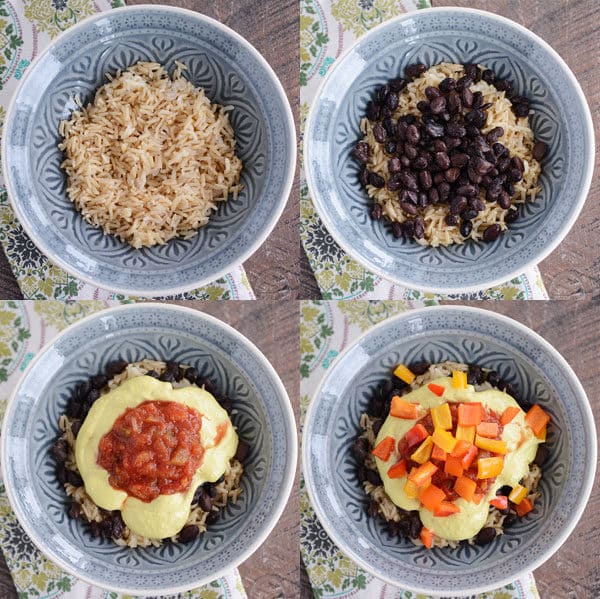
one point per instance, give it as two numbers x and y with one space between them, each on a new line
273 571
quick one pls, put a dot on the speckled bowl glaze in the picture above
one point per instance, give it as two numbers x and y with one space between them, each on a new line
561 118
522 358
230 70
263 417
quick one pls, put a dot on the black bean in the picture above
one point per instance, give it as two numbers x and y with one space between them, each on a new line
390 147
541 455
373 111
493 378
458 204
492 232
452 174
379 133
509 520
488 76
408 208
494 135
419 227
98 381
82 390
373 509
447 85
153 374
444 190
242 450
361 152
393 529
410 151
94 528
472 71
477 100
167 376
434 129
504 200
73 409
467 97
75 427
398 84
460 159
374 478
414 524
442 160
115 367
474 177
409 181
425 181
468 214
419 163
467 190
539 150
521 109
397 231
475 375
59 451
499 149
455 130
381 93
390 126
454 103
424 107
511 390
394 183
204 501
408 228
225 403
188 533
439 146
74 510
394 165
503 85
485 535
463 82
376 212
509 188
438 105
376 180
391 101
511 216
361 473
419 368
61 474
422 199
415 70
451 220
482 166
191 374
477 204
432 92
465 228
74 479
412 134
117 525
514 175
503 164
377 423
433 195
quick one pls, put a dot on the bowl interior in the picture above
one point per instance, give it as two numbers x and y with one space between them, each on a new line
540 376
560 118
259 412
231 74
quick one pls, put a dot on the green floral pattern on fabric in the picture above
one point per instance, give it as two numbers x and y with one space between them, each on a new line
326 329
55 16
24 328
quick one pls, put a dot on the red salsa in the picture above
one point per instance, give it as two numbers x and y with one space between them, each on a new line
153 449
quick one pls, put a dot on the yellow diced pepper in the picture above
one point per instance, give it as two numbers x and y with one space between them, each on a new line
493 445
404 374
517 494
441 416
411 489
489 467
459 379
444 440
465 433
423 452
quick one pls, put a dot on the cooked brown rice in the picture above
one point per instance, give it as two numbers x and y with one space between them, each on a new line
227 490
150 157
518 139
388 510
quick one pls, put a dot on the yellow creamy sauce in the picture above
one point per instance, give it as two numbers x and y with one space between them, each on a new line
521 449
166 515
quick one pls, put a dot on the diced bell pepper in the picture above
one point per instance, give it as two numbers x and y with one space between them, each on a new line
410 488
438 454
439 390
489 467
537 419
508 415
398 470
422 475
444 440
492 445
384 448
524 507
465 433
461 448
465 487
431 497
404 374
500 502
517 494
487 429
416 434
423 452
459 379
404 409
426 537
446 508
453 466
469 457
441 416
470 414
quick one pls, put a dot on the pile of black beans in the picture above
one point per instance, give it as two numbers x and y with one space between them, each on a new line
78 407
379 406
441 157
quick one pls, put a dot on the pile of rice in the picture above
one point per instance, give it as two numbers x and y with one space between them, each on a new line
150 157
227 490
389 511
518 139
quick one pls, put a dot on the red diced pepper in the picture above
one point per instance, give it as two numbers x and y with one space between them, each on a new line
508 415
461 448
416 434
422 474
398 470
537 419
469 457
426 536
446 508
500 501
384 449
487 429
438 454
432 497
465 487
437 389
453 466
470 414
404 409
524 507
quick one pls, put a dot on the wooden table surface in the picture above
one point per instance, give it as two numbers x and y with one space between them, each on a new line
573 328
273 571
272 26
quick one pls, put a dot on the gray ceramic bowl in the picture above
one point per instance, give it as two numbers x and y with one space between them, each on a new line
561 118
521 357
263 417
219 60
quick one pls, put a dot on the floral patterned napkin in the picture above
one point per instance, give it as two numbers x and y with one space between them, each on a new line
326 329
25 327
327 28
26 28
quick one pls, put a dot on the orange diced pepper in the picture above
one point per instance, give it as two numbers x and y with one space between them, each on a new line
416 434
461 448
537 419
542 435
437 389
404 374
477 498
404 409
431 497
500 502
438 454
398 470
422 475
465 433
517 494
442 417
384 448
508 415
524 507
410 488
493 445
423 452
444 440
459 379
489 467
465 487
426 536
469 457
453 466
487 429
446 508
470 414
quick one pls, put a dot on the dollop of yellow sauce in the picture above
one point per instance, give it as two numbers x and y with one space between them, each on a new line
521 449
166 515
